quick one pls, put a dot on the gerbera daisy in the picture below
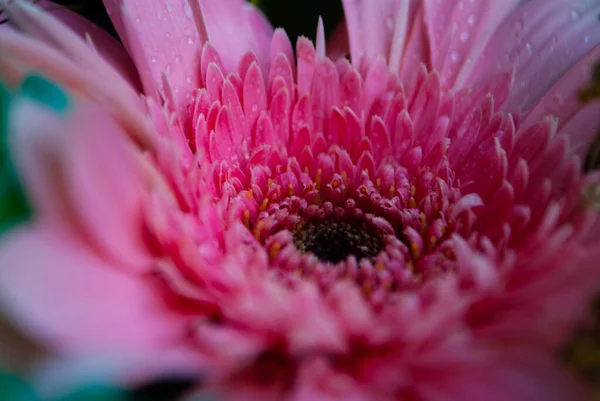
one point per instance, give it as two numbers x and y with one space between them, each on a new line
407 219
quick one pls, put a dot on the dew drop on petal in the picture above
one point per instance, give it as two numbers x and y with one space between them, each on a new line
575 14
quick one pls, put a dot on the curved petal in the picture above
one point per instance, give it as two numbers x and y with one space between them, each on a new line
22 54
107 46
81 171
372 26
542 39
166 36
458 31
60 292
575 118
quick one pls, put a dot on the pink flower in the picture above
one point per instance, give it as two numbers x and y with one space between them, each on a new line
411 225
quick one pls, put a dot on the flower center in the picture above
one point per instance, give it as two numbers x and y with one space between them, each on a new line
333 241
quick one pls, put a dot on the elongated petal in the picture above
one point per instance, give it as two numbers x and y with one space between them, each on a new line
542 40
21 54
100 41
81 172
57 289
166 36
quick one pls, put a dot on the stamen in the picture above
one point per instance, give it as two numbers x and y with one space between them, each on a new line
333 241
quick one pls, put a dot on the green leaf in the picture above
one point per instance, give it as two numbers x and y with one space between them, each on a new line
14 207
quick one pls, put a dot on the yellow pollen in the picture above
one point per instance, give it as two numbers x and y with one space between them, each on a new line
410 266
423 218
335 183
415 250
275 250
306 170
258 229
249 194
290 190
318 178
412 203
270 182
388 286
367 288
379 266
344 177
363 190
264 204
436 207
433 240
392 190
413 190
246 217
378 183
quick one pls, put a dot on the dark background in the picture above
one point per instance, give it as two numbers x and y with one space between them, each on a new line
298 17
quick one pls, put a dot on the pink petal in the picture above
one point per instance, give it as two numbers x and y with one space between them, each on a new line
458 31
107 46
542 39
63 294
52 32
82 172
371 27
235 27
576 118
160 36
21 54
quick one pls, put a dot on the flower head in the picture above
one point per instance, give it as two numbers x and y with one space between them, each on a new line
408 223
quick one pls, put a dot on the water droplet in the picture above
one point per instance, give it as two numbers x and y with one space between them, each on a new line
190 41
176 89
471 20
254 107
188 80
586 39
138 19
575 14
178 59
168 35
153 59
455 56
528 49
464 36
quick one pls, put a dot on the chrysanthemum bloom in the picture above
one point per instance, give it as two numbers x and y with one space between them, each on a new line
413 224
